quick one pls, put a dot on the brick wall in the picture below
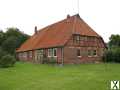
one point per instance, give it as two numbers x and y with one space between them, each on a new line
70 51
70 55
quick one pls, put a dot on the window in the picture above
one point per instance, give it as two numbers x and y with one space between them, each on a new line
49 52
24 54
83 38
30 53
55 52
94 52
52 52
89 53
78 53
20 55
89 38
77 39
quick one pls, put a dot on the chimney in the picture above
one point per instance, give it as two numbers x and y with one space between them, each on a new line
68 16
35 30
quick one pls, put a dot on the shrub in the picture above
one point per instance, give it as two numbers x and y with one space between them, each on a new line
2 53
52 60
7 61
112 55
45 60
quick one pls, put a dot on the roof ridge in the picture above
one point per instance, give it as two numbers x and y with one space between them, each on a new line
50 25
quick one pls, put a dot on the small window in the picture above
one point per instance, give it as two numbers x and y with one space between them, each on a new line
30 53
94 52
24 54
49 52
40 52
52 52
55 51
20 55
78 53
90 38
78 38
89 53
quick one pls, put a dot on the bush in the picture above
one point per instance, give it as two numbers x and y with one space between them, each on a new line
45 61
2 53
52 60
7 61
112 55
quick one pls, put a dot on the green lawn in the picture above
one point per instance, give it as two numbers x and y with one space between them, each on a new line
27 76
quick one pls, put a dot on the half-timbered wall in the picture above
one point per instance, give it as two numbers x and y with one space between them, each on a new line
91 49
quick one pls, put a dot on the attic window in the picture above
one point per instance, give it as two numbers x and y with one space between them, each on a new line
89 38
76 38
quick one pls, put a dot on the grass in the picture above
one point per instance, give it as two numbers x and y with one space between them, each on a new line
28 76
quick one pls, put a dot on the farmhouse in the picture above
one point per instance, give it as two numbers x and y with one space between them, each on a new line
70 41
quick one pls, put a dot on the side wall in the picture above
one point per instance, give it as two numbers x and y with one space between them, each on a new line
37 56
70 51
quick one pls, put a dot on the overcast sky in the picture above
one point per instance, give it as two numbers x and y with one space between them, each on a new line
102 15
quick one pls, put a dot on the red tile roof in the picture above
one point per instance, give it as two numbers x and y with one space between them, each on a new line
58 34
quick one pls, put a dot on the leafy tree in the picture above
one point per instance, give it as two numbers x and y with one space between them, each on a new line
9 44
12 31
113 53
2 38
9 41
114 41
2 53
13 38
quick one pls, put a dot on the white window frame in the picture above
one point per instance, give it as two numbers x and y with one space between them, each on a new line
51 52
54 49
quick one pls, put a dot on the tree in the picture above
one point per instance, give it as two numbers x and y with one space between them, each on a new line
112 55
9 41
2 38
2 53
113 52
12 31
10 44
13 38
114 40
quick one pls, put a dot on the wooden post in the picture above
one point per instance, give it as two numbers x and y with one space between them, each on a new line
62 50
